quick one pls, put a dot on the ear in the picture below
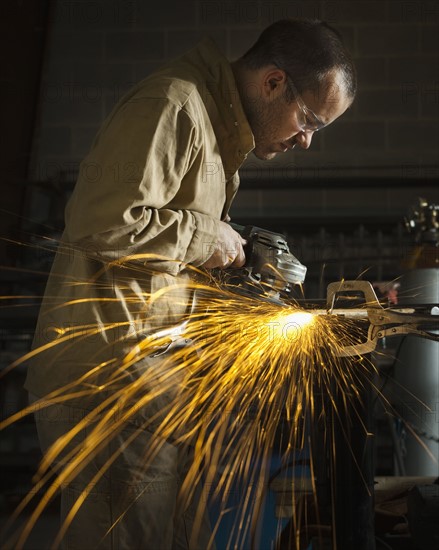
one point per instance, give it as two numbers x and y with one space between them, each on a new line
274 82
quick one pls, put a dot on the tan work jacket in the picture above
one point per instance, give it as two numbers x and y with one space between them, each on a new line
161 173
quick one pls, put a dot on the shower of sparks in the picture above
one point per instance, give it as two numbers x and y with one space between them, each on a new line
244 367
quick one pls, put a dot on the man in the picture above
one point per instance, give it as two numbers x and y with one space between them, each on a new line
167 158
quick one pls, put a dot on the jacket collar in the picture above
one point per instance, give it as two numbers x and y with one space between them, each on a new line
221 98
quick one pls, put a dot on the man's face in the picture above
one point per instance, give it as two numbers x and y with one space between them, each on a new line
277 124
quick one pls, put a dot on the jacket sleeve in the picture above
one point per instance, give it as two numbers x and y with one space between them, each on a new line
145 155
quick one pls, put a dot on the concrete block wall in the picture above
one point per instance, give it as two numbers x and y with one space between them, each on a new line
99 48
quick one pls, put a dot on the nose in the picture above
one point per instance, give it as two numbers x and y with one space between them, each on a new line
304 139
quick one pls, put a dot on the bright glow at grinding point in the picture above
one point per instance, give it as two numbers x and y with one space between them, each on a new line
290 326
300 318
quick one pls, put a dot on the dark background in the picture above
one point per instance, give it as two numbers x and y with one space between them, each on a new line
342 203
68 61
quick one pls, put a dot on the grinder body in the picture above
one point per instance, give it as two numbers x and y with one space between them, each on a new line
269 262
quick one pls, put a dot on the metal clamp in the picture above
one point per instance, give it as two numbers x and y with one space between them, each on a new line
383 322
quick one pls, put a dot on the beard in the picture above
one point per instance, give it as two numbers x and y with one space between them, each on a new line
264 118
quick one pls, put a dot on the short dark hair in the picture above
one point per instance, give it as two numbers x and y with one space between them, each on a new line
307 50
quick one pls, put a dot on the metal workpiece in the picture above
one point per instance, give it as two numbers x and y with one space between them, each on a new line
383 322
376 321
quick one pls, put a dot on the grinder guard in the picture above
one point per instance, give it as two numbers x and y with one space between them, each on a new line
269 262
